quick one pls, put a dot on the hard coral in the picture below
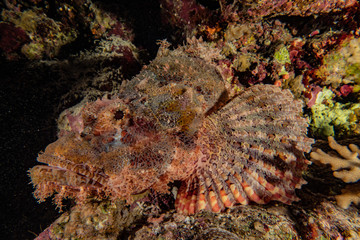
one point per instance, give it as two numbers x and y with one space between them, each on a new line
350 194
346 167
179 120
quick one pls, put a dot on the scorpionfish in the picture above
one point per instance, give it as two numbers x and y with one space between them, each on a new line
178 121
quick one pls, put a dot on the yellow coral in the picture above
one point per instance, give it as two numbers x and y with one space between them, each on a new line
351 194
348 167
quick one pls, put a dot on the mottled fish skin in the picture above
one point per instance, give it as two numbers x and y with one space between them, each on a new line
176 121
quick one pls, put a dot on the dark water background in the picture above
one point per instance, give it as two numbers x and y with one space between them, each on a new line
28 124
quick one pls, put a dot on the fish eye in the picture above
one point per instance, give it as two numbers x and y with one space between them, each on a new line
119 115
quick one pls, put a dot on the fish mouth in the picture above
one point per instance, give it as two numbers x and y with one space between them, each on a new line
66 179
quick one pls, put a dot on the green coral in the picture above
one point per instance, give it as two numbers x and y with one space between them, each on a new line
282 55
329 117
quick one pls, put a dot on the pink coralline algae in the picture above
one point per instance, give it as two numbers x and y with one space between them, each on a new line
177 121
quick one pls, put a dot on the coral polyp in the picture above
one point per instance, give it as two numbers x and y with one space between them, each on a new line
178 119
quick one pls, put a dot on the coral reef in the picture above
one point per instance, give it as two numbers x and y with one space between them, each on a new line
169 124
330 117
298 8
324 220
43 32
47 36
342 65
93 220
255 51
346 166
97 220
183 15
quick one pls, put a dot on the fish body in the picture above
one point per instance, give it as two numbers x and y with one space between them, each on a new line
178 121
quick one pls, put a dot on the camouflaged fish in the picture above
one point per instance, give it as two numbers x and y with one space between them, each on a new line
177 121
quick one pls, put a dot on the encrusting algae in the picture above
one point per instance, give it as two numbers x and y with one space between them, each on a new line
178 120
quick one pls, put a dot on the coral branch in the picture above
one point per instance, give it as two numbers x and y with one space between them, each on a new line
348 195
348 167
